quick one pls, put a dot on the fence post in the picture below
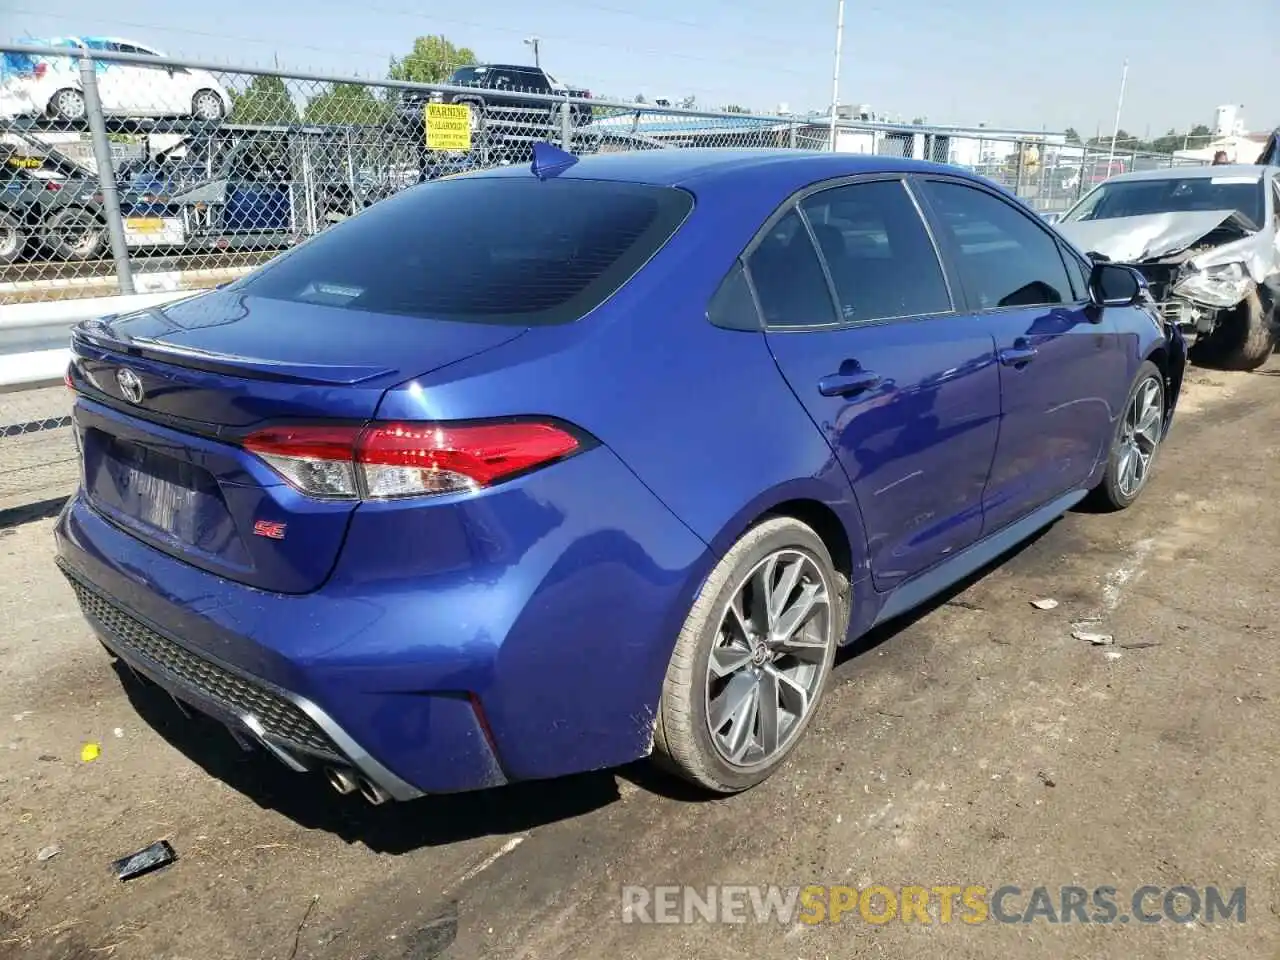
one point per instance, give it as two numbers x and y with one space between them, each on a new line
566 125
791 134
106 174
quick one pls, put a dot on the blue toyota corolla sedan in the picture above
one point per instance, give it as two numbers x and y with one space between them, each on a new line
544 469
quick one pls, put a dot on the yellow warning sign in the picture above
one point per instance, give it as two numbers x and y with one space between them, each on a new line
448 126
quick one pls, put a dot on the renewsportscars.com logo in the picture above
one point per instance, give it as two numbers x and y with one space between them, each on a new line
969 904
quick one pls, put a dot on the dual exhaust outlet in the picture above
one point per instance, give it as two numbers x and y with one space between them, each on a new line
345 781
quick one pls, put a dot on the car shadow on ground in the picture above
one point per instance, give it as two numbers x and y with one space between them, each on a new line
398 828
307 798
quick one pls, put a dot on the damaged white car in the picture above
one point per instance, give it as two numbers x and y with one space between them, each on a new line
1208 241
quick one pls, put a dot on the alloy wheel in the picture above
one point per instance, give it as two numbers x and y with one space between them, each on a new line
1140 436
69 105
767 661
10 238
208 106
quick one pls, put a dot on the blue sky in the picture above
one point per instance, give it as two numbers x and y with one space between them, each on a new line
1019 64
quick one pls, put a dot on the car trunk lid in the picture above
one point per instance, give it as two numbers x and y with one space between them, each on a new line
168 395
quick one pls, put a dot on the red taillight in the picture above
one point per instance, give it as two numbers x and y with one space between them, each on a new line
386 460
52 185
41 70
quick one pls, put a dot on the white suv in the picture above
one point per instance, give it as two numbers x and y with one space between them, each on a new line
42 86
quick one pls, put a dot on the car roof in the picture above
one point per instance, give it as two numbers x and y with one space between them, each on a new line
688 167
498 66
1197 173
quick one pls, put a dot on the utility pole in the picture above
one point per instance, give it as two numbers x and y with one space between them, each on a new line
1115 131
835 73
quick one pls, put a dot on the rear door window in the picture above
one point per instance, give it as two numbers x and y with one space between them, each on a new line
878 252
482 250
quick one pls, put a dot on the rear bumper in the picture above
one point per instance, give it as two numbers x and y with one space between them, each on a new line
544 659
290 727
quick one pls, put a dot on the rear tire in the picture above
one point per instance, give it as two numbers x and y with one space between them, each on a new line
736 650
14 238
1242 338
1138 434
75 234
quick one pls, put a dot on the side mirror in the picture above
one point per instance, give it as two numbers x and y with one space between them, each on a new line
1115 285
1052 217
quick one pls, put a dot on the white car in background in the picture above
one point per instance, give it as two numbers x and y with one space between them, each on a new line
49 86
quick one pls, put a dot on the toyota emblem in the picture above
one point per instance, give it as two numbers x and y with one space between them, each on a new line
130 385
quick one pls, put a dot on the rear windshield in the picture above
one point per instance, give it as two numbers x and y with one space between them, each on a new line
483 250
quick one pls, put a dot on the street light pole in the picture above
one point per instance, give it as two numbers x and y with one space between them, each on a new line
835 73
533 42
1115 131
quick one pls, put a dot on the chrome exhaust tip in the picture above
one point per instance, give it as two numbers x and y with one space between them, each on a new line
341 780
372 792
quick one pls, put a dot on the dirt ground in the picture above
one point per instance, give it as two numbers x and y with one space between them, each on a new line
980 743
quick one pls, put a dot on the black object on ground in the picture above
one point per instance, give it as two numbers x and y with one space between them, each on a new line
159 854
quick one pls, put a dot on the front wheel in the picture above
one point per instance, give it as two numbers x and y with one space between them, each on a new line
750 665
207 105
1135 443
475 115
67 104
1242 338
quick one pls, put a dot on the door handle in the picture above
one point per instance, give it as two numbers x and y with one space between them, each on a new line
847 384
1017 355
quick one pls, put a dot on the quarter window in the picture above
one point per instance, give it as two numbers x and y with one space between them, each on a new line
1003 257
732 306
790 285
878 252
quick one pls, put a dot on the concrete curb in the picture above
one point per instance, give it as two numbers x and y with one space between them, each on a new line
72 289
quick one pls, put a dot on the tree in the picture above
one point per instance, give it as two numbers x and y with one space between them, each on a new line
640 98
1123 140
688 102
265 100
346 103
432 60
1200 132
734 108
1072 136
1170 142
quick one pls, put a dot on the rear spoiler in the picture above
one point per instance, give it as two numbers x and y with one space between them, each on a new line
96 335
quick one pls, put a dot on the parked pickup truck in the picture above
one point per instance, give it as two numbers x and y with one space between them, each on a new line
501 92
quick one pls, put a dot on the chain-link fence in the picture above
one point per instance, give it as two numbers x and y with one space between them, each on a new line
215 170
37 449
